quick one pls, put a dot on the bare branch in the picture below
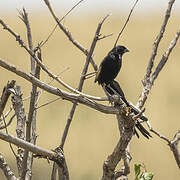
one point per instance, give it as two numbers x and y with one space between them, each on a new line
24 18
172 144
7 133
50 102
127 20
82 79
40 152
126 126
158 39
8 123
5 95
27 162
45 68
6 114
20 128
165 57
65 95
126 169
148 83
6 169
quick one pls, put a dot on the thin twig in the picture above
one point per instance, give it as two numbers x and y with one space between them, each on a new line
127 20
68 34
58 75
9 122
60 21
50 102
172 144
7 113
8 133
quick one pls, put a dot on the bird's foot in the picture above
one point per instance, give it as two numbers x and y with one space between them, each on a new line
128 110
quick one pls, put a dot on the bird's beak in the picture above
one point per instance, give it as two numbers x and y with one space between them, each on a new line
127 50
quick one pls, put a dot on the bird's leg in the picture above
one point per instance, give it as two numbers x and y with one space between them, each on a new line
128 108
107 94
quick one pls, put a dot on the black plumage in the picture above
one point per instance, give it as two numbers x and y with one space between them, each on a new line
114 88
111 65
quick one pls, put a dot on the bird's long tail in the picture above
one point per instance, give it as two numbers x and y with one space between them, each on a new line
114 88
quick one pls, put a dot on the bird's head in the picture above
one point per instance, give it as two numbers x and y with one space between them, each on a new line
119 50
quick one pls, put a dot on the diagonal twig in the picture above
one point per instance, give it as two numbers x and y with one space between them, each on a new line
68 34
127 20
60 21
172 144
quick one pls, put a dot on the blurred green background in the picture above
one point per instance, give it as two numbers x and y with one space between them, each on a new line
93 135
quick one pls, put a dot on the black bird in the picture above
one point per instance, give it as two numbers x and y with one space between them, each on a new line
114 88
110 66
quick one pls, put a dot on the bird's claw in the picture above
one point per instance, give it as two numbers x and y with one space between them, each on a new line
128 110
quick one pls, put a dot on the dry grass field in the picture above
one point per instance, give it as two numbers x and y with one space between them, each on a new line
93 135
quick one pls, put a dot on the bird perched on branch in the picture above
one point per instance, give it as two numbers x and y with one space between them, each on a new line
110 66
113 88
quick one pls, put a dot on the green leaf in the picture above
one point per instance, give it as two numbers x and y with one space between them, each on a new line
137 169
147 176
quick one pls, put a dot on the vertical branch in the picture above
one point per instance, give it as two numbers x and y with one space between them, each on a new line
126 125
165 57
20 128
93 45
31 123
82 79
24 17
149 82
158 39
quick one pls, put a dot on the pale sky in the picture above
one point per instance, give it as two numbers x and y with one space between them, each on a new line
88 6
